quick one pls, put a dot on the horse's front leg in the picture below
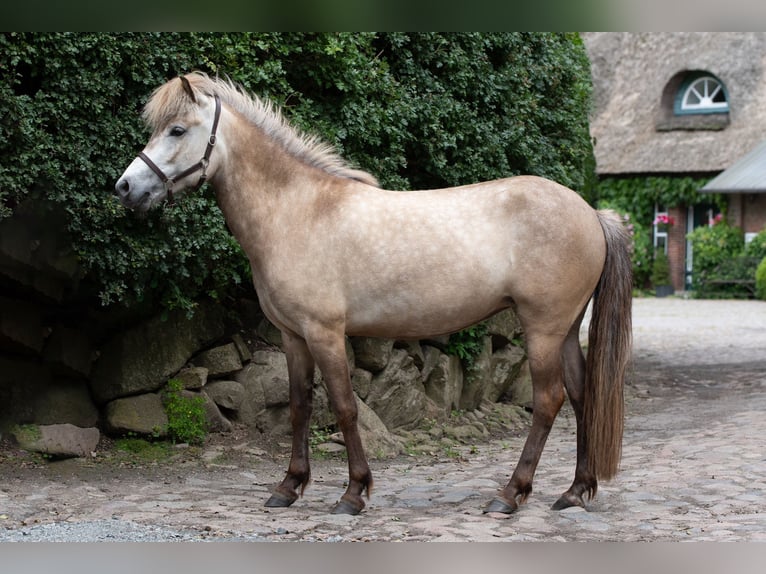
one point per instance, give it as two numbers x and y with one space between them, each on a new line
300 368
329 349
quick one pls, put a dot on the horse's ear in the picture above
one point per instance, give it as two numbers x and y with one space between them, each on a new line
187 88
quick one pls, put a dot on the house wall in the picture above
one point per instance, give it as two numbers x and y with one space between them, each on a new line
747 211
677 247
754 212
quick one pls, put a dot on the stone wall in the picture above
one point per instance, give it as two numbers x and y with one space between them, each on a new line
74 370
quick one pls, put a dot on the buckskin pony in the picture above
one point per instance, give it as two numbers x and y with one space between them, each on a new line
332 255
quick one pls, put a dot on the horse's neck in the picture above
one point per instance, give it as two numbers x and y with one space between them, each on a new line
261 189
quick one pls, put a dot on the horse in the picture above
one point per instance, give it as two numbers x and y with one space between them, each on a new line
331 255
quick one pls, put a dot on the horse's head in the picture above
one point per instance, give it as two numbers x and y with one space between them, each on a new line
179 154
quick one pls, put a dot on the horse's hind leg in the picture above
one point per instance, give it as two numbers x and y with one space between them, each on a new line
547 396
585 482
300 368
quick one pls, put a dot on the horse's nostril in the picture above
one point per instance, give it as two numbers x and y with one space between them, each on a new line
122 186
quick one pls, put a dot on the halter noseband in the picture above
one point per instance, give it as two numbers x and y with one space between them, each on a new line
169 182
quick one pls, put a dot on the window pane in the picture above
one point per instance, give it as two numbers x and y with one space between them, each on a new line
705 93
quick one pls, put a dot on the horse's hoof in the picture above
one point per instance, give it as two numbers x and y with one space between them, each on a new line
345 507
501 506
566 501
278 500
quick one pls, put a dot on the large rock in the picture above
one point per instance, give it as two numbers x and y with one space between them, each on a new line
431 357
504 367
244 351
216 421
192 378
377 440
62 440
21 328
397 394
372 354
22 382
274 421
65 402
220 361
270 368
253 399
141 359
142 414
226 394
520 391
476 377
360 382
269 333
504 327
68 351
444 384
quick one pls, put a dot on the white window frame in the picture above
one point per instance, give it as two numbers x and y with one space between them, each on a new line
704 89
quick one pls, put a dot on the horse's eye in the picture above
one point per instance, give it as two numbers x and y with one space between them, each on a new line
177 131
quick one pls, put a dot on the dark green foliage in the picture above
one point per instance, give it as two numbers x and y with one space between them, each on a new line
641 233
638 196
760 280
416 110
467 344
757 246
719 256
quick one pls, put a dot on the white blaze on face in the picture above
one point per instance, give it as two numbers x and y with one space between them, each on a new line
173 149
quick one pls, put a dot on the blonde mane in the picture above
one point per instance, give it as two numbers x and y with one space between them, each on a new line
170 100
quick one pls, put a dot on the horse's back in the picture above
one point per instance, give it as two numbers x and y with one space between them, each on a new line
429 262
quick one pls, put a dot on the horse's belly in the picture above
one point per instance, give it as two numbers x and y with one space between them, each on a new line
422 314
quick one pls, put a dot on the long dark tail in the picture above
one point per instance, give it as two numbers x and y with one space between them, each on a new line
609 350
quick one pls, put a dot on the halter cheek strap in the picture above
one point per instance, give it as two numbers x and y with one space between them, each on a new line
169 182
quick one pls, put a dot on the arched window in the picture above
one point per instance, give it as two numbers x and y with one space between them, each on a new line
701 93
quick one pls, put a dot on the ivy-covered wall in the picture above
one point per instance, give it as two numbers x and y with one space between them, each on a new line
416 110
637 196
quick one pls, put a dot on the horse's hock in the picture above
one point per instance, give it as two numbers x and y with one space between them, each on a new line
62 368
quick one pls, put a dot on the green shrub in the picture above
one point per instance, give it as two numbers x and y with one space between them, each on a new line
760 280
467 344
757 246
642 253
187 421
711 247
721 261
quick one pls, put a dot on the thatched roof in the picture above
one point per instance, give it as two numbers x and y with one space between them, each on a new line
633 79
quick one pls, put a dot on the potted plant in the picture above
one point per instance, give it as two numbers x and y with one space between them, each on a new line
664 222
661 274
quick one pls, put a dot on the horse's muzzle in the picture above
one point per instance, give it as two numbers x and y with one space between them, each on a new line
130 198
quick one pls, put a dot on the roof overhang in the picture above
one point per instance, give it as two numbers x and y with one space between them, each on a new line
747 175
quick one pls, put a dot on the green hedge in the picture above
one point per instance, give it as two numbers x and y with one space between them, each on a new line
760 280
637 197
417 110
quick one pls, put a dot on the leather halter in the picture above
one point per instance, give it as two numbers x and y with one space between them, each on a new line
169 182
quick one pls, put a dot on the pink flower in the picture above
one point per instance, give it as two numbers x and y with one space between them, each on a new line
664 219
